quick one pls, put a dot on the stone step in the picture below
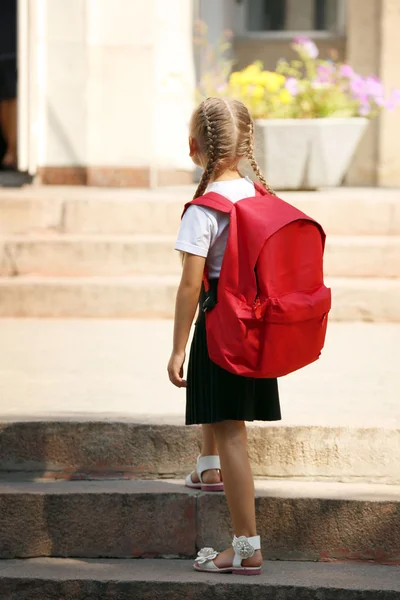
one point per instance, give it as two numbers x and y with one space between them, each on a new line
93 449
343 211
132 519
109 579
362 256
354 299
86 255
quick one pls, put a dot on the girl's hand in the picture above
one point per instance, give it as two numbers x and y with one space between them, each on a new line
175 369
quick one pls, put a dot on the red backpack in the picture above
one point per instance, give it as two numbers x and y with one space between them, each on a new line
272 310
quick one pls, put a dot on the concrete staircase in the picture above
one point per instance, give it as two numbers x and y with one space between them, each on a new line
116 448
82 500
83 497
76 252
73 540
163 519
71 579
74 521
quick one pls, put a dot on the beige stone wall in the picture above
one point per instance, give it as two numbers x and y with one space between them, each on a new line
389 139
119 86
116 83
270 51
373 47
363 53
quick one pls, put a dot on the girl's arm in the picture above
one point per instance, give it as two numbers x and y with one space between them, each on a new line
185 310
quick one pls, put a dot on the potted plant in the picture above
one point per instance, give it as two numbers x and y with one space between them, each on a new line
309 114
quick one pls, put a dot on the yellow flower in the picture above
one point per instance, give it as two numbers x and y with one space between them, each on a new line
274 100
272 81
253 68
250 74
235 78
257 92
285 97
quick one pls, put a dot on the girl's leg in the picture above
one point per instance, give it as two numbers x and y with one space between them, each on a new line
208 448
231 438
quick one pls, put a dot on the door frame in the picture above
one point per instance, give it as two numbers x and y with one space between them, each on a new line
31 24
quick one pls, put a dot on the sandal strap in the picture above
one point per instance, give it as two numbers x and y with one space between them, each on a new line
189 481
206 463
244 548
255 541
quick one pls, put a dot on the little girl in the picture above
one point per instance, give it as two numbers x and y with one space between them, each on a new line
221 135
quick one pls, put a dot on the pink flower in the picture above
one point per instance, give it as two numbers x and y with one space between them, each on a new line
358 87
306 45
299 40
347 71
325 73
292 86
374 88
380 101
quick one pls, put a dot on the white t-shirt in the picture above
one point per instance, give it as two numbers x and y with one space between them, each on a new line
204 231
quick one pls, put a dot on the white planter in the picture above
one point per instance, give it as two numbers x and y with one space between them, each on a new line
306 154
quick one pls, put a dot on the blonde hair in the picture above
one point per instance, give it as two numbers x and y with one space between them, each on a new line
224 130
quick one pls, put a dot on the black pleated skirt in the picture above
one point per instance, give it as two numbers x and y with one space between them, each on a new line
213 394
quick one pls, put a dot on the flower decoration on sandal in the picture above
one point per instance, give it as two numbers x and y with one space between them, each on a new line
242 547
206 554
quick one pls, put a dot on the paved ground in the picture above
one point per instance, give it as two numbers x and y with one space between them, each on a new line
117 369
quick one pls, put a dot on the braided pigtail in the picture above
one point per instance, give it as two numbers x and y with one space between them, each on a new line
203 183
224 132
254 163
211 141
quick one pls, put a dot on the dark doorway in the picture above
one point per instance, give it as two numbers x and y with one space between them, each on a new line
9 175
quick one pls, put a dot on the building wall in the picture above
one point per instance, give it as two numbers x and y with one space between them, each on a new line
248 50
118 91
389 136
374 48
114 85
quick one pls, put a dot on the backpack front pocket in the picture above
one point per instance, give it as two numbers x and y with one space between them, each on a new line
294 331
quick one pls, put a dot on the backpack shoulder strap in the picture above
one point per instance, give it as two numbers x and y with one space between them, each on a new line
260 189
212 200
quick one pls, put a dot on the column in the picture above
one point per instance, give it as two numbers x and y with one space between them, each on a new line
373 47
174 89
141 91
388 172
116 91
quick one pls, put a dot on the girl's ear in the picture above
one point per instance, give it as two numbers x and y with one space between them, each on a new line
193 147
194 152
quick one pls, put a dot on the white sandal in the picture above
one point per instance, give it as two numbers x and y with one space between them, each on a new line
244 548
205 463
